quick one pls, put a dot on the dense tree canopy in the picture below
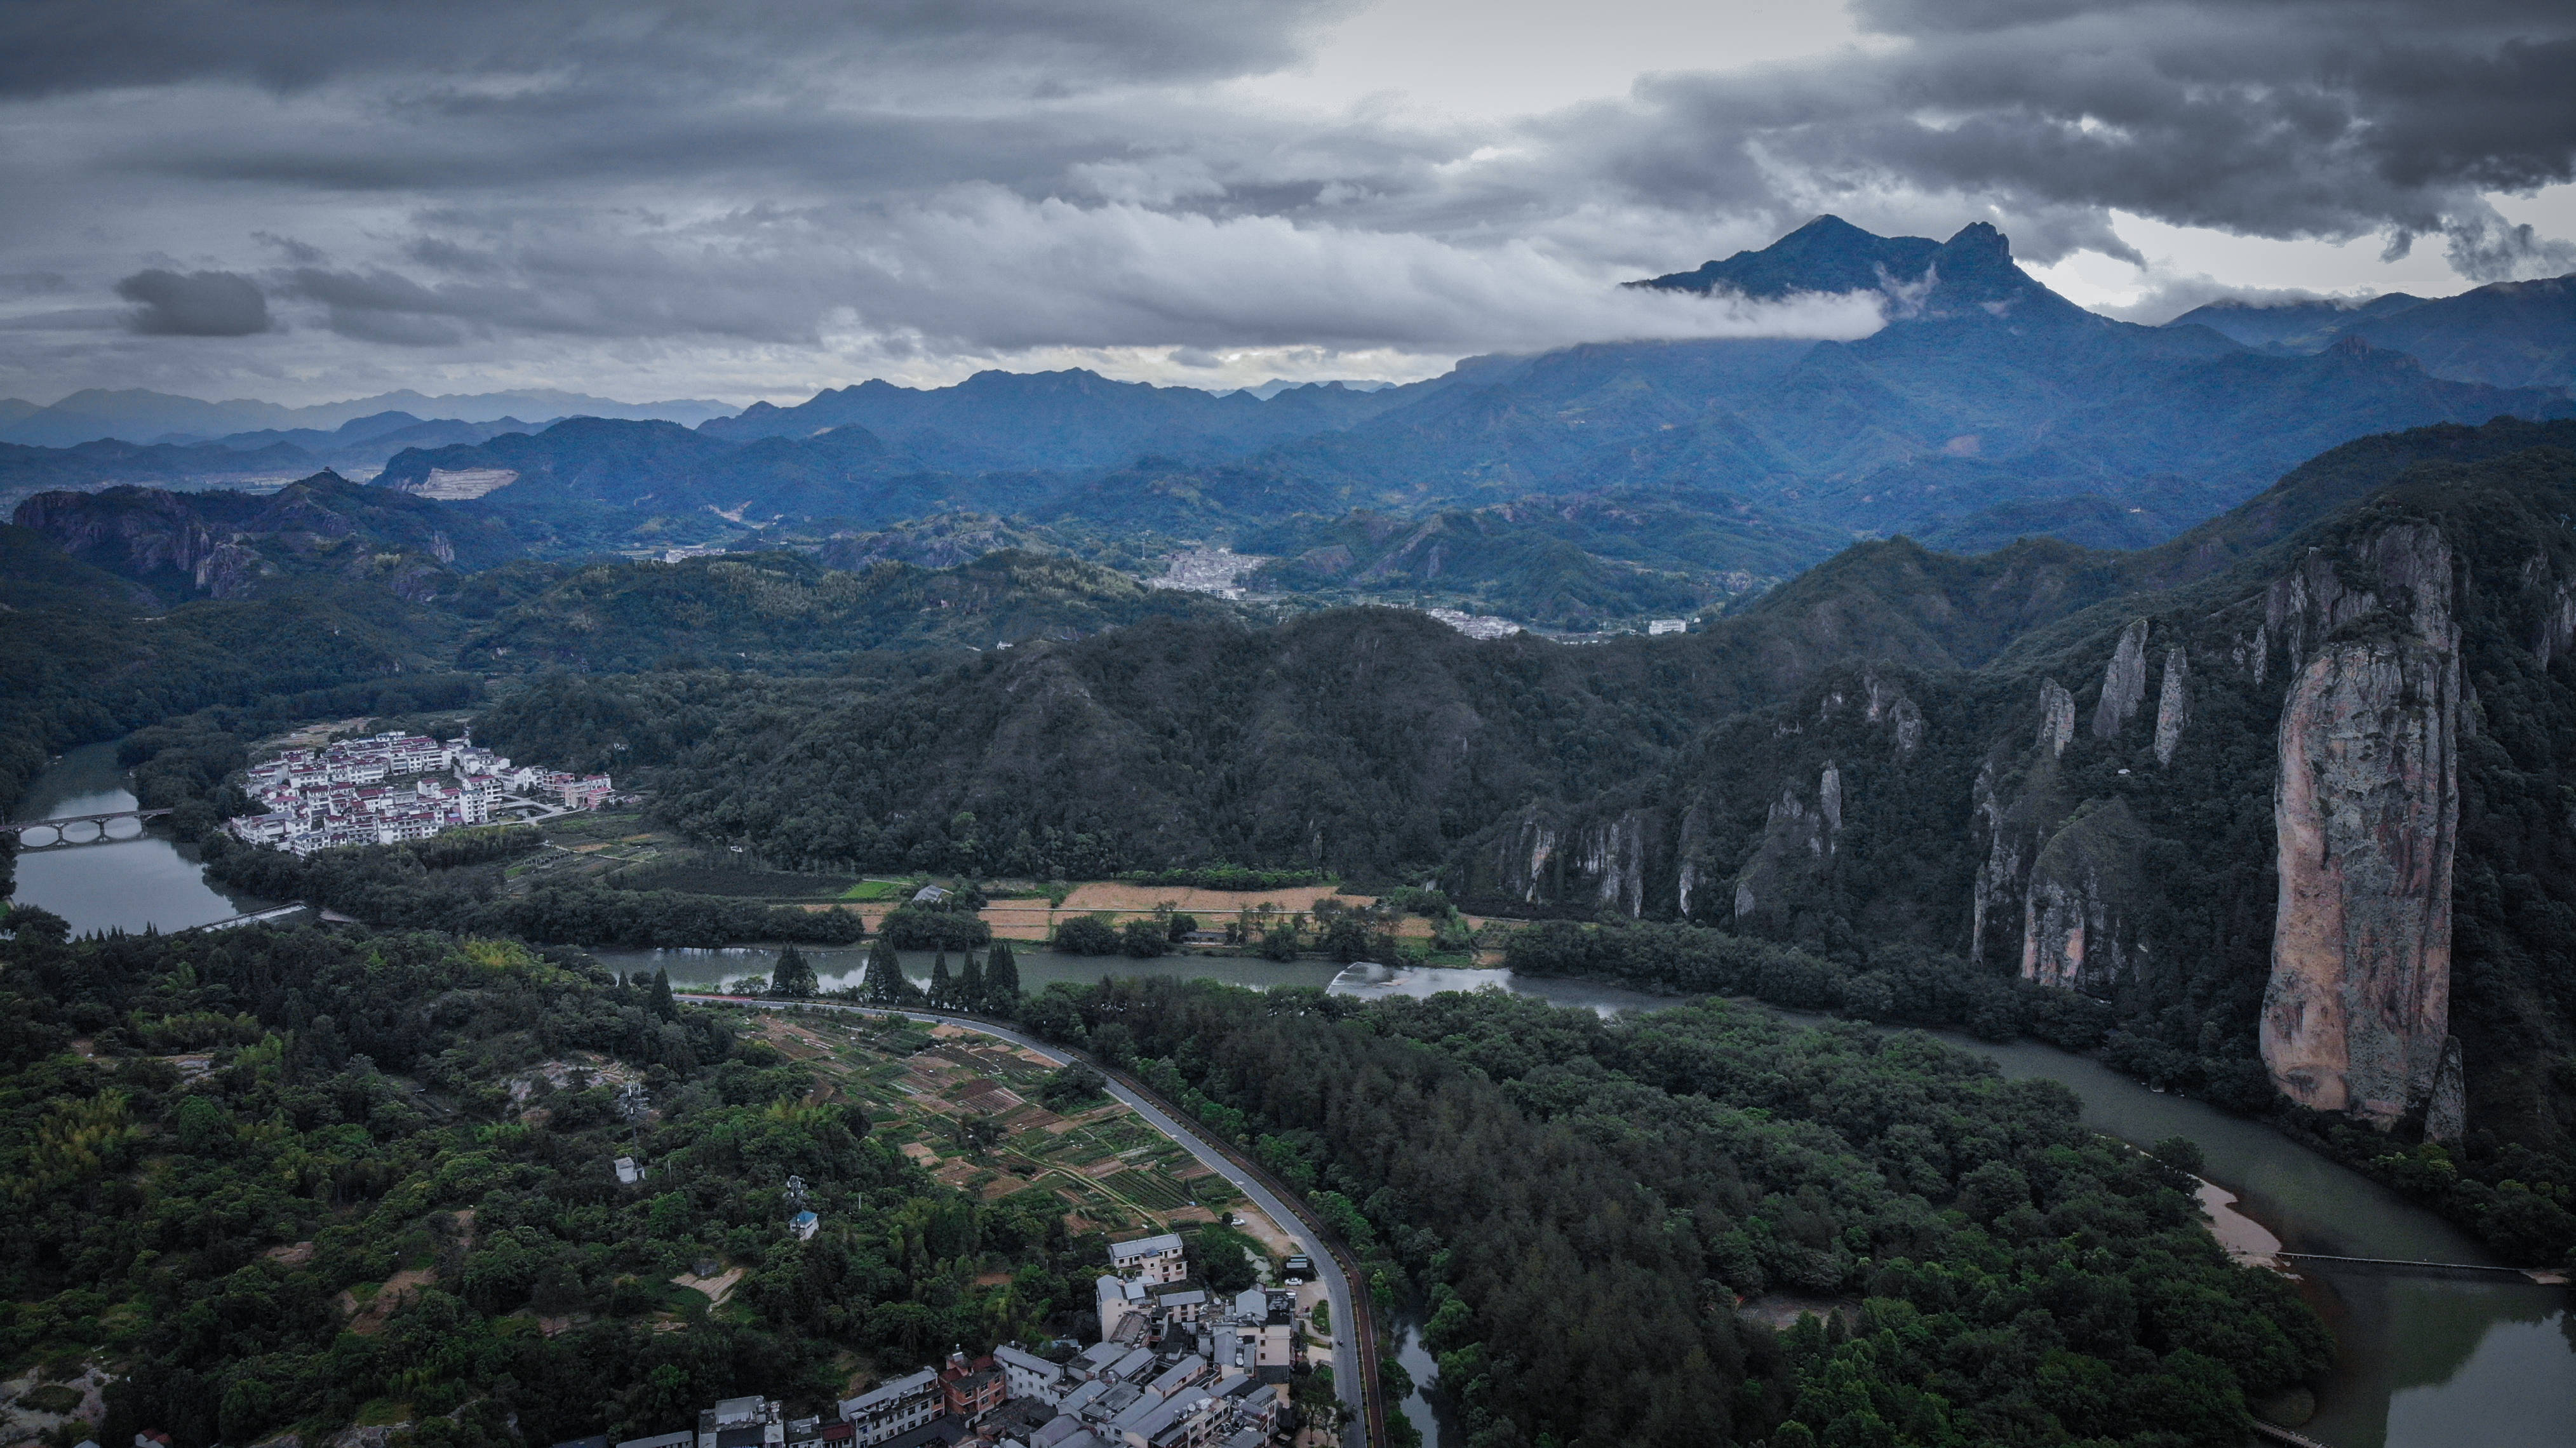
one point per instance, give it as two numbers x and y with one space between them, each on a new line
1583 1204
371 1144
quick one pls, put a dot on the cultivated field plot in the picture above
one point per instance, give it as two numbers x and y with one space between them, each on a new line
970 1112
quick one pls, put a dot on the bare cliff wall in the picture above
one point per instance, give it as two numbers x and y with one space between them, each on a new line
2367 812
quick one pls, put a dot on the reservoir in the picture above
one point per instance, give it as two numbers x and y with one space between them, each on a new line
2421 1363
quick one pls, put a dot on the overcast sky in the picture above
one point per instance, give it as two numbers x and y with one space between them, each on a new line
301 200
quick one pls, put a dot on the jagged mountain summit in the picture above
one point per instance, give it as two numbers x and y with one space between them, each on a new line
1919 277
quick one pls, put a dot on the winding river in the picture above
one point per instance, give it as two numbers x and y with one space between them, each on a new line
2422 1363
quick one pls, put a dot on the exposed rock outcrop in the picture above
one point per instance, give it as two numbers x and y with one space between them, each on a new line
2366 816
1693 841
2017 817
136 530
2446 1116
2078 914
1611 855
2056 717
2556 627
1515 863
1542 858
2173 705
1903 716
1796 838
2124 682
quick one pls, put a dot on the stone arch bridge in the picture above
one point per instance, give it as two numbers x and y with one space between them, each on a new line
88 829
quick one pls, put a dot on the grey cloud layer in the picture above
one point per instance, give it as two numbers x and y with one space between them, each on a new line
973 177
2325 119
194 304
50 47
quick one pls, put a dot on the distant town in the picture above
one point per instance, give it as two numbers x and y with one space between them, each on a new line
397 787
1174 1368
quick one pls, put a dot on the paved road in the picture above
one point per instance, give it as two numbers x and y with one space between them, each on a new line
1337 1284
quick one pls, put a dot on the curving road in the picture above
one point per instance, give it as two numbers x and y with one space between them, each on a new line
1350 1328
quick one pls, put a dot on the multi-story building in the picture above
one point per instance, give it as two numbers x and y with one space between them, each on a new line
895 1408
1031 1376
753 1422
972 1389
1152 1260
1256 1334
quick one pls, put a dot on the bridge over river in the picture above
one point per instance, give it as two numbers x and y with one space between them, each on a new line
63 831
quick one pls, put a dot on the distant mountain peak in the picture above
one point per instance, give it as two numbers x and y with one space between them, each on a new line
1827 254
1921 277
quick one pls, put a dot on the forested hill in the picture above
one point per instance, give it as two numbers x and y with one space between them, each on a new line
786 610
2047 762
1378 741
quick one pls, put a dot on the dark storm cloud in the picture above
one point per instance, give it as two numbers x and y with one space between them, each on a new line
194 304
2279 118
961 178
49 47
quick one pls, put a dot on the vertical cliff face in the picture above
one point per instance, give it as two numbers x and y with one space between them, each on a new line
2056 717
2173 705
2078 917
1612 855
2124 682
136 530
2366 815
1797 838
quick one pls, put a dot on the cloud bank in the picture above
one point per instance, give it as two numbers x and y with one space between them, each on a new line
757 198
194 304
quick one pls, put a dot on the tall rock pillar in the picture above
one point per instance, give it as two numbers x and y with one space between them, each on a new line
2366 816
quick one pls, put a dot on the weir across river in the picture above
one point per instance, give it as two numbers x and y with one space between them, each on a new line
2457 1271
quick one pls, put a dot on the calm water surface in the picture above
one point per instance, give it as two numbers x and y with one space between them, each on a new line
2422 1363
125 885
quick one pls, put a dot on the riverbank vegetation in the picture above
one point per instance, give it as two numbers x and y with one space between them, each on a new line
435 885
1583 1204
292 1179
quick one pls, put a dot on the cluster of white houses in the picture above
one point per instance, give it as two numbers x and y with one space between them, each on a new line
392 788
1172 1370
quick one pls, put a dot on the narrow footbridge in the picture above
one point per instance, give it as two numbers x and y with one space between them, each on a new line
66 830
2456 1271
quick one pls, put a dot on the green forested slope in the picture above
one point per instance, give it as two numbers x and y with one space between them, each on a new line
785 610
224 1235
1582 1204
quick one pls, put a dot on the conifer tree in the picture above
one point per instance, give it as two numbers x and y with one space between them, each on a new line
1001 979
943 991
885 983
663 1006
794 975
970 984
